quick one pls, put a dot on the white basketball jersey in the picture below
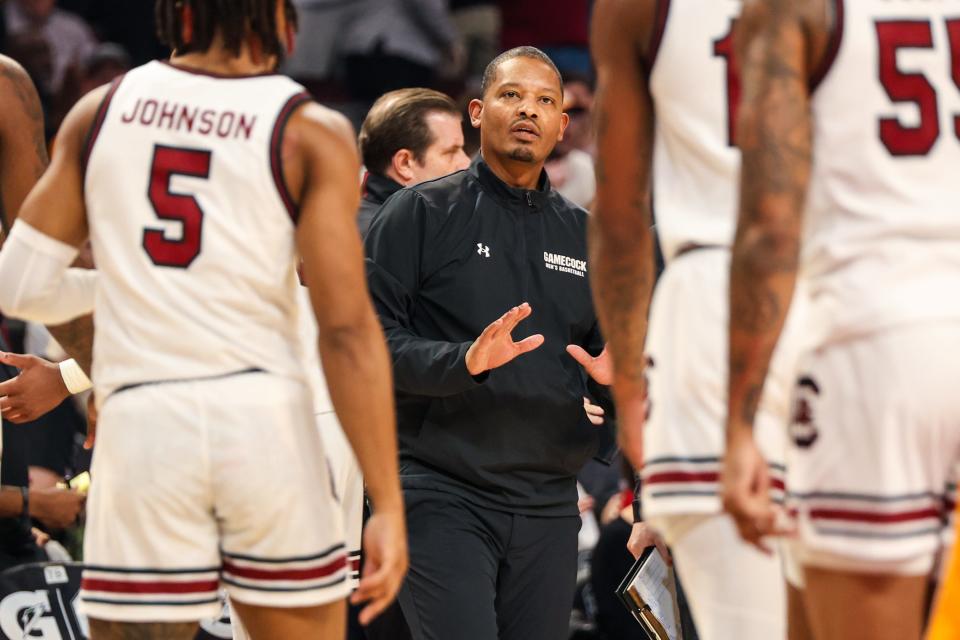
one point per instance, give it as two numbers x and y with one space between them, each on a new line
695 87
882 226
192 228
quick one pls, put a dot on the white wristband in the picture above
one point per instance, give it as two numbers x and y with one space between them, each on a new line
73 376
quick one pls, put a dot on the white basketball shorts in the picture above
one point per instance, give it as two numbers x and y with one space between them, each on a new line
199 484
874 447
687 372
348 484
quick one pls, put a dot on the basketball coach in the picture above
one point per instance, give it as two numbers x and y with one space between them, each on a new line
492 429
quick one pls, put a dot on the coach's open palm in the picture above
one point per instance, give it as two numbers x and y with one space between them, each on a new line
385 563
495 346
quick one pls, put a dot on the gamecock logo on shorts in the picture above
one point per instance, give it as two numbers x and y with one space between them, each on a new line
803 430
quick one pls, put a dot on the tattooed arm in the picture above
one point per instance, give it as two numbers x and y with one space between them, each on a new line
775 39
23 150
621 242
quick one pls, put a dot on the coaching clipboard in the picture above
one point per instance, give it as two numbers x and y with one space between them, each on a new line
649 591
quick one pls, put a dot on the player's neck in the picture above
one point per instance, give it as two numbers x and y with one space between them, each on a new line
218 60
516 173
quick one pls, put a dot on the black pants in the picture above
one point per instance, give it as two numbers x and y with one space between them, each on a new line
482 574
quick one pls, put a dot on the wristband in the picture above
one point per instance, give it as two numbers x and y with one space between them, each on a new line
25 504
73 376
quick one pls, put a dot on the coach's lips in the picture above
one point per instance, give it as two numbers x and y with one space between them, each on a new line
525 131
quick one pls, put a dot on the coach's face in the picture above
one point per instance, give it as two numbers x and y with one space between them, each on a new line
521 116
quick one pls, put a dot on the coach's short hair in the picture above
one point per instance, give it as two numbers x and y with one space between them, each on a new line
398 120
490 73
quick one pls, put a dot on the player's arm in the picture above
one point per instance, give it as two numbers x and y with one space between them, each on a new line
44 240
621 241
23 159
23 149
775 137
352 347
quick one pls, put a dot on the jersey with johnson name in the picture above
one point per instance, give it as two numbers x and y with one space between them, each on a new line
192 228
882 226
695 87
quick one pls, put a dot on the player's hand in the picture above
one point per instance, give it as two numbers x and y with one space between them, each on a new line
746 490
91 422
599 368
495 346
56 508
594 412
643 536
385 563
37 390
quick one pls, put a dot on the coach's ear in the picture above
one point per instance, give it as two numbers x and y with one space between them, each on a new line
475 109
402 165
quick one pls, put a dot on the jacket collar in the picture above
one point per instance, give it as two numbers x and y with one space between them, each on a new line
510 196
377 188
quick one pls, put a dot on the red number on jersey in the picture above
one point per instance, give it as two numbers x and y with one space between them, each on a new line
724 48
903 140
953 33
182 208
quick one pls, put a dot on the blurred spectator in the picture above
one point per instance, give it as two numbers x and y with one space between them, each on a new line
322 31
578 104
394 44
561 30
570 167
69 38
129 24
571 174
478 22
106 62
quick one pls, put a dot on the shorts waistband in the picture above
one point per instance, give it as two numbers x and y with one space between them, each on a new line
134 385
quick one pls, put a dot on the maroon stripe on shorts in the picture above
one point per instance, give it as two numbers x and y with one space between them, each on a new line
681 476
311 573
874 517
135 586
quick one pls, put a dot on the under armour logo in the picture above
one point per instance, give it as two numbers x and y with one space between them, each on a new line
483 250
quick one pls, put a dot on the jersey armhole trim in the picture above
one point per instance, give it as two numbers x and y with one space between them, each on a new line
656 38
833 47
97 125
276 152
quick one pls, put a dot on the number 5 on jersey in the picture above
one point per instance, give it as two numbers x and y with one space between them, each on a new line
177 207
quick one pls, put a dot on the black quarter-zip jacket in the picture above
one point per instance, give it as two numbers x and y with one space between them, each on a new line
445 259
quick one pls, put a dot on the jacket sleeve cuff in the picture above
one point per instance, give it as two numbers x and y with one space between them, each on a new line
463 379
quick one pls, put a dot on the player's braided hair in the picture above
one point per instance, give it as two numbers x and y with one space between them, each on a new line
233 19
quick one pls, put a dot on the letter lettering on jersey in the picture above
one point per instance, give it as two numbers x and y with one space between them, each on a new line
167 111
206 121
245 126
225 125
149 112
186 117
127 118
